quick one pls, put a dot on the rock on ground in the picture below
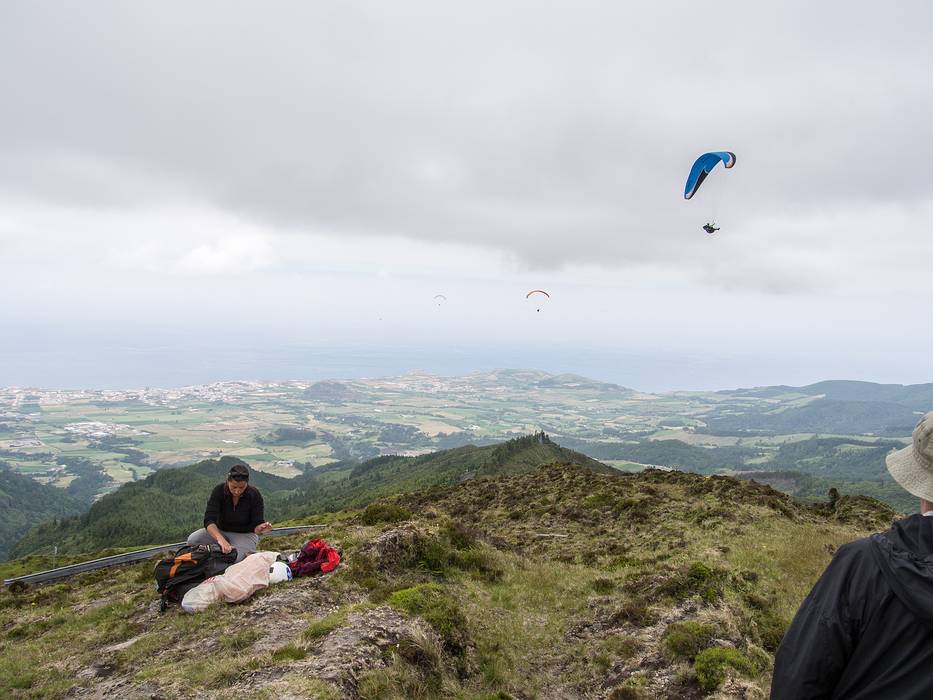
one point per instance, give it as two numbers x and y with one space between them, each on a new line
347 653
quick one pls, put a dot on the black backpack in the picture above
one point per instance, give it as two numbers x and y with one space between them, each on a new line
177 575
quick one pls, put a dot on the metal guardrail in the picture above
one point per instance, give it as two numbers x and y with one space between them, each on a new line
128 558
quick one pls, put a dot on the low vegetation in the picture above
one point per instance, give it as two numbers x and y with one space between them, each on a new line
25 502
555 582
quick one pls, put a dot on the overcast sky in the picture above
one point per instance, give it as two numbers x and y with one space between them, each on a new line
295 178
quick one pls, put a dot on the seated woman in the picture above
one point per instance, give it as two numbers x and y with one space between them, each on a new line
234 516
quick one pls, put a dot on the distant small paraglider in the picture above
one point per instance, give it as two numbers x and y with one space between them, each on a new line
702 167
439 299
539 299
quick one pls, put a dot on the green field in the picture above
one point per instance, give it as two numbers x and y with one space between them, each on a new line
131 433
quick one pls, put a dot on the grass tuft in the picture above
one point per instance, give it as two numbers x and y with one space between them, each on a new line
439 609
711 665
684 640
323 627
381 512
289 652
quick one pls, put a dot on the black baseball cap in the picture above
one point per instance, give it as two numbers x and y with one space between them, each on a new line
238 472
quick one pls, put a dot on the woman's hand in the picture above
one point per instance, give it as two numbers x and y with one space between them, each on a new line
263 527
225 546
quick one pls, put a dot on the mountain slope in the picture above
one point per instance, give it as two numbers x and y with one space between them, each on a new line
352 487
163 507
822 415
169 504
838 406
557 582
25 502
916 396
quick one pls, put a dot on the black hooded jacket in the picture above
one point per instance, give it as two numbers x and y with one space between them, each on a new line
866 629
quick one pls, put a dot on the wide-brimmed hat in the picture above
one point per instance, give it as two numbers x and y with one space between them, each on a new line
912 467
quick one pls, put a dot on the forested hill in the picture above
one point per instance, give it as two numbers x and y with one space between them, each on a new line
25 502
837 406
163 507
346 486
169 504
917 396
822 415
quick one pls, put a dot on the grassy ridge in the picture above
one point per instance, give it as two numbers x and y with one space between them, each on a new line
169 504
556 582
849 464
333 488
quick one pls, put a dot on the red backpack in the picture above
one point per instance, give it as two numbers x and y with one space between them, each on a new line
315 556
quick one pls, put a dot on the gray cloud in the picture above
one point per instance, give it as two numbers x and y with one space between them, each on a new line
558 133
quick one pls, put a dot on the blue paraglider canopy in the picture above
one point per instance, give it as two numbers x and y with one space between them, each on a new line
703 167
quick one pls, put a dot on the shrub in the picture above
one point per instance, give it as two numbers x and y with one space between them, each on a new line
771 628
398 680
635 509
12 599
433 604
635 612
20 670
602 585
626 692
632 689
480 562
36 628
380 512
460 536
56 594
589 557
598 501
697 579
422 655
621 646
763 660
375 685
684 640
362 571
710 666
433 555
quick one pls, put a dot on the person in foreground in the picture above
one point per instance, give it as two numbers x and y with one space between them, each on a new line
234 517
866 629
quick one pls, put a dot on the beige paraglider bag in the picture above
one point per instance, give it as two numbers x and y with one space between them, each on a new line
241 580
236 584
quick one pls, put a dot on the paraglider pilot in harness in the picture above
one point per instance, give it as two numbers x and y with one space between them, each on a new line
702 167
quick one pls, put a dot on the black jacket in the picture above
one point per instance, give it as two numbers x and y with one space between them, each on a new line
249 511
866 629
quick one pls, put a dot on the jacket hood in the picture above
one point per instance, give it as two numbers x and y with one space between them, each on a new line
905 556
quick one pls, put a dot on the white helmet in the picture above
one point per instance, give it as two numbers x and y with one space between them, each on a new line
279 572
